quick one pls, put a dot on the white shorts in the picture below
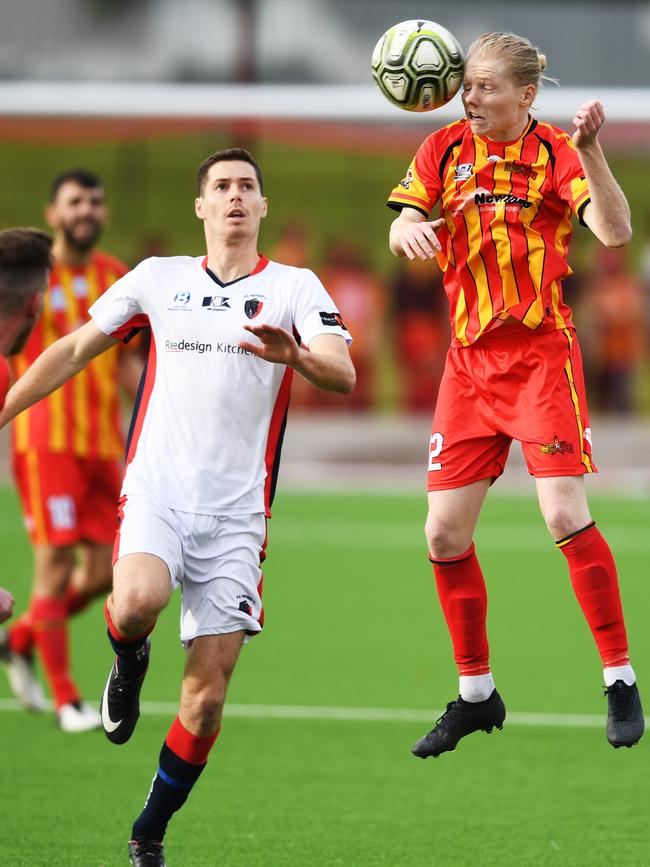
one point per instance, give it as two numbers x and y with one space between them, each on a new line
216 559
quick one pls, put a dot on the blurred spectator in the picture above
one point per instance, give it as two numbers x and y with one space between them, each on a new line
292 246
361 296
644 273
613 312
152 244
422 334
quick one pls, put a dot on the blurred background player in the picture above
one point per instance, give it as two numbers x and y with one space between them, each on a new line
203 459
508 186
25 263
67 452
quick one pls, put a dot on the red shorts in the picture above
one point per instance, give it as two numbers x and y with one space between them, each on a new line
68 499
517 385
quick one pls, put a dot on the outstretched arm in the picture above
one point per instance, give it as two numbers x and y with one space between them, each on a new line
608 213
58 363
326 364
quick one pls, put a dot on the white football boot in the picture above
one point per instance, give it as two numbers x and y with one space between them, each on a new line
78 717
22 677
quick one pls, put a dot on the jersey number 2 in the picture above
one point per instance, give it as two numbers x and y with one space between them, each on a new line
435 447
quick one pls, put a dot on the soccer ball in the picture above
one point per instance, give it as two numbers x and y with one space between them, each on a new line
418 65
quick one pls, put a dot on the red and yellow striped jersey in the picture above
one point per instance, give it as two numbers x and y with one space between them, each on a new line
83 416
507 208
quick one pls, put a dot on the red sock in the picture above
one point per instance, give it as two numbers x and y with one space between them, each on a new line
49 622
463 598
191 748
21 636
593 575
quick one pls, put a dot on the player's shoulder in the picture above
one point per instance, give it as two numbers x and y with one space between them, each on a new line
550 133
452 132
290 274
161 265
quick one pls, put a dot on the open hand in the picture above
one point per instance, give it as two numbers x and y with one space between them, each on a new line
277 345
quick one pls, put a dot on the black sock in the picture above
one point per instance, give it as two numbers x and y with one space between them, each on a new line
169 791
132 656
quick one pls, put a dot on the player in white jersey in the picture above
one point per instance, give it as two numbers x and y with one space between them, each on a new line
228 330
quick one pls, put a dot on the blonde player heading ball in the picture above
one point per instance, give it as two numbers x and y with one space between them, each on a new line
507 186
202 457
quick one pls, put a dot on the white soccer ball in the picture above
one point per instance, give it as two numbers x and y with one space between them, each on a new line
418 65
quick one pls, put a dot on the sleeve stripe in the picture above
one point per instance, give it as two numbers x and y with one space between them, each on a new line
399 206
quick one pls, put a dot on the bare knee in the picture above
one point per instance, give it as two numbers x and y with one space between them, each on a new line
446 538
132 609
564 505
562 521
202 706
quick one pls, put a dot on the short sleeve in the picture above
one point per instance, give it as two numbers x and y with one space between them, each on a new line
421 187
570 182
313 310
119 312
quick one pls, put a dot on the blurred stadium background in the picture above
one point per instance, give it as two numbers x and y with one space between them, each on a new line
142 91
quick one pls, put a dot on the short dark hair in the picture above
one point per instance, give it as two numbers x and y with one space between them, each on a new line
25 257
227 155
87 180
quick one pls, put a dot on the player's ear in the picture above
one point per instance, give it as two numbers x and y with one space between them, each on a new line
265 209
198 207
50 215
528 95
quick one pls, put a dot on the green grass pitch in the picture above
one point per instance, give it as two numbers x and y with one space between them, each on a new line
352 622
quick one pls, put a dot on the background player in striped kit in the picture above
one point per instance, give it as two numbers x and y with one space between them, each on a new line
67 455
25 263
508 186
228 330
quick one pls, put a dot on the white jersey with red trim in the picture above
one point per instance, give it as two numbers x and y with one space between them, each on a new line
208 423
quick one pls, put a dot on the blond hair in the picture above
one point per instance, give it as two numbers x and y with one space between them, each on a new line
523 60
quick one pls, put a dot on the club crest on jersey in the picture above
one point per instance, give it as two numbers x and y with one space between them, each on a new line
557 447
253 307
216 302
463 171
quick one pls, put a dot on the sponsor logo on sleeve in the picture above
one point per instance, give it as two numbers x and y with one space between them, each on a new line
408 180
333 319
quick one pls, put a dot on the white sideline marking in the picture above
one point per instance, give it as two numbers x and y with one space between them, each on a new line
358 714
403 534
